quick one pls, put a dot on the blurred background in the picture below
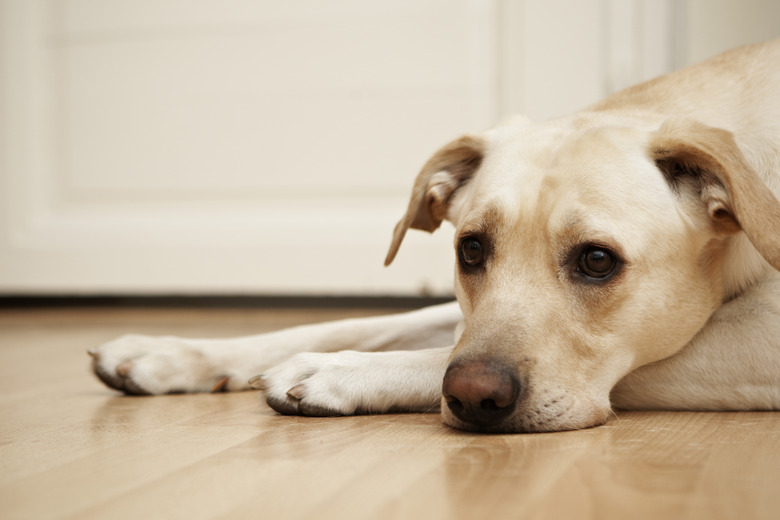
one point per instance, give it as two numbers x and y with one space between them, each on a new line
237 147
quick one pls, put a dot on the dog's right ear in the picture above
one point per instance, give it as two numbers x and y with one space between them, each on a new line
444 173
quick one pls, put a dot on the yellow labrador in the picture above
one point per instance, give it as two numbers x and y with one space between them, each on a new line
624 256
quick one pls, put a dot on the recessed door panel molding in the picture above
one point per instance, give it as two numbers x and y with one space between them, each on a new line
261 147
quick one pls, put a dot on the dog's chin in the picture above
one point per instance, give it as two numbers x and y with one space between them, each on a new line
534 421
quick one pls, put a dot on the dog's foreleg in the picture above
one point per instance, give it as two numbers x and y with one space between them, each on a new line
733 363
158 365
350 382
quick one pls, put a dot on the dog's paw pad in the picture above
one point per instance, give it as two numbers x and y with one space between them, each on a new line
283 405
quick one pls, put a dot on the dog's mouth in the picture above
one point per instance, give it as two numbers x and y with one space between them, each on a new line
532 423
557 412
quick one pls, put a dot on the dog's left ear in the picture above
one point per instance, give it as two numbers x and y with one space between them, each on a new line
449 169
735 195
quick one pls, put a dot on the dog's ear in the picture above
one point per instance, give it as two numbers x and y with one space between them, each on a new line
735 196
449 169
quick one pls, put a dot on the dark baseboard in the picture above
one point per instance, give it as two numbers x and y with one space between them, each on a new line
217 301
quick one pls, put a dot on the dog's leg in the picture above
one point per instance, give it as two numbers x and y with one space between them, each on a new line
159 365
349 382
732 364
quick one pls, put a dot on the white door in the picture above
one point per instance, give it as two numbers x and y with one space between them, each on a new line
202 146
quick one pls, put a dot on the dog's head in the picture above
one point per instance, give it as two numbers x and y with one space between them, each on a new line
584 250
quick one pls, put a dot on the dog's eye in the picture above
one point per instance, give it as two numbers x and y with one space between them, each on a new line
597 262
472 252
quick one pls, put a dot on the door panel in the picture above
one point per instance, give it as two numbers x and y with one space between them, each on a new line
172 146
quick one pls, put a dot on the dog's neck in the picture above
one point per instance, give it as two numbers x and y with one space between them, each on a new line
743 266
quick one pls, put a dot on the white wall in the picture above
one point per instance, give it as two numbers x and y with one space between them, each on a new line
714 26
202 146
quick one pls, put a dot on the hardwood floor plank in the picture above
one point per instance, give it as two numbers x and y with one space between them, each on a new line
70 448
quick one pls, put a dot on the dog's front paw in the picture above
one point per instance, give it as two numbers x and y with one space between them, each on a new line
144 365
316 384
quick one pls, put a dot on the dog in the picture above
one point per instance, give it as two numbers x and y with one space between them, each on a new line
625 257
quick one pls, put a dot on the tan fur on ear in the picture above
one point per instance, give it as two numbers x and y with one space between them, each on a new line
445 172
735 195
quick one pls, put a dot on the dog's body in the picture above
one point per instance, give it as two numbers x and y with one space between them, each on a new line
625 256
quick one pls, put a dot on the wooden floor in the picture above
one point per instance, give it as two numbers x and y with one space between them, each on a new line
70 448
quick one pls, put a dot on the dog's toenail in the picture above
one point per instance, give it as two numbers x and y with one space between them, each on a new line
257 382
124 369
220 385
297 392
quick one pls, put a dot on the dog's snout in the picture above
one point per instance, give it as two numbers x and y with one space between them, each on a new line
481 393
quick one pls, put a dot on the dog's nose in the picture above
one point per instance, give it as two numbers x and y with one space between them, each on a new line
481 393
